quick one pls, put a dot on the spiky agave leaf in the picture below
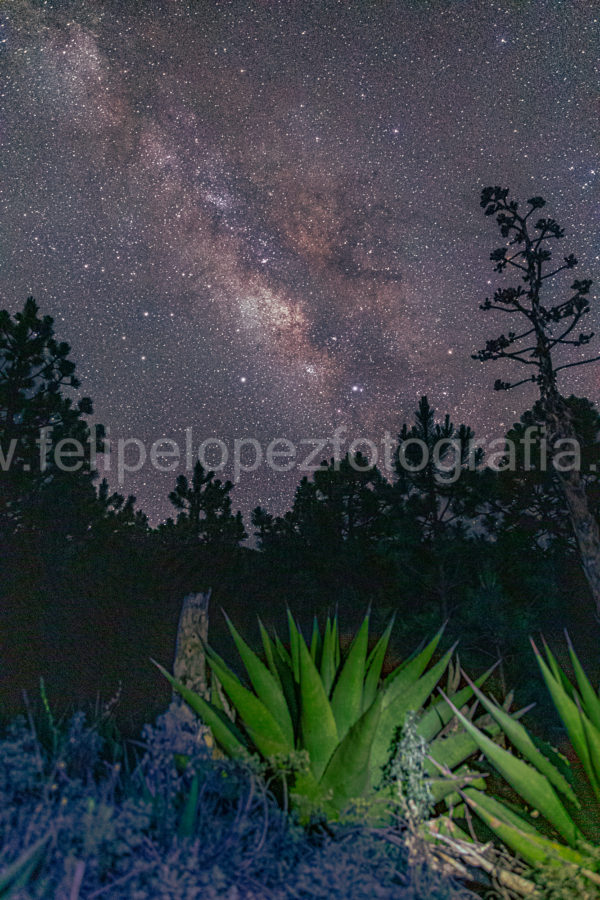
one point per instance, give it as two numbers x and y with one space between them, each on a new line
416 663
347 772
328 664
518 834
535 776
315 642
438 713
589 698
347 696
317 722
521 740
269 650
570 714
267 687
528 782
407 692
374 665
294 651
262 726
224 731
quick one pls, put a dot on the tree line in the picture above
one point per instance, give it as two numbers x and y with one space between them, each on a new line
498 551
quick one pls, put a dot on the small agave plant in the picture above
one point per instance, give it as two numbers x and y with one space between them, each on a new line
338 712
560 827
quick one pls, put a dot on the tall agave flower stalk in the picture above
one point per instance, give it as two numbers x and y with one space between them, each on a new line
338 711
558 824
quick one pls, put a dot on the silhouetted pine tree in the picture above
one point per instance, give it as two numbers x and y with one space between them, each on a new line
432 463
435 465
204 507
37 420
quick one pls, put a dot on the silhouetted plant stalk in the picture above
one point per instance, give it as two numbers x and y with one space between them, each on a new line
527 250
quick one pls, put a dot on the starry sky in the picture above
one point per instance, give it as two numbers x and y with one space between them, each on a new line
261 218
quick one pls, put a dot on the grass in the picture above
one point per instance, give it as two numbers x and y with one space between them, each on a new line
86 815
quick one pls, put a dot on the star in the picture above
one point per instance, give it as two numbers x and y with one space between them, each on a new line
305 212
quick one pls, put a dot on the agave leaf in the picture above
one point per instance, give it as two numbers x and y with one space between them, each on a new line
347 772
394 712
556 669
453 679
416 666
216 693
215 697
259 722
592 736
267 688
550 656
570 715
317 722
224 731
532 846
328 658
447 784
408 685
315 642
412 655
346 700
294 639
269 649
213 656
289 685
438 713
283 653
374 665
375 646
500 809
589 697
520 738
451 751
337 653
527 781
446 825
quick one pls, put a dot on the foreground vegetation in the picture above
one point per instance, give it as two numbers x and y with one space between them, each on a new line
380 745
282 788
83 816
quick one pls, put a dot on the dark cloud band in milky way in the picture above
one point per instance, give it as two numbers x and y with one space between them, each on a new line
262 218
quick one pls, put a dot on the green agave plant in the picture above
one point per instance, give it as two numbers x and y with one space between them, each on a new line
338 711
562 828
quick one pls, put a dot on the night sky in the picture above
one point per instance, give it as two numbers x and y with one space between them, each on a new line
261 219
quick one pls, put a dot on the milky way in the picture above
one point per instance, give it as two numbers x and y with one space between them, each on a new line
261 219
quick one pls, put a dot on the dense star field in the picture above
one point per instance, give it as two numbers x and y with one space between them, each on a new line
261 219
